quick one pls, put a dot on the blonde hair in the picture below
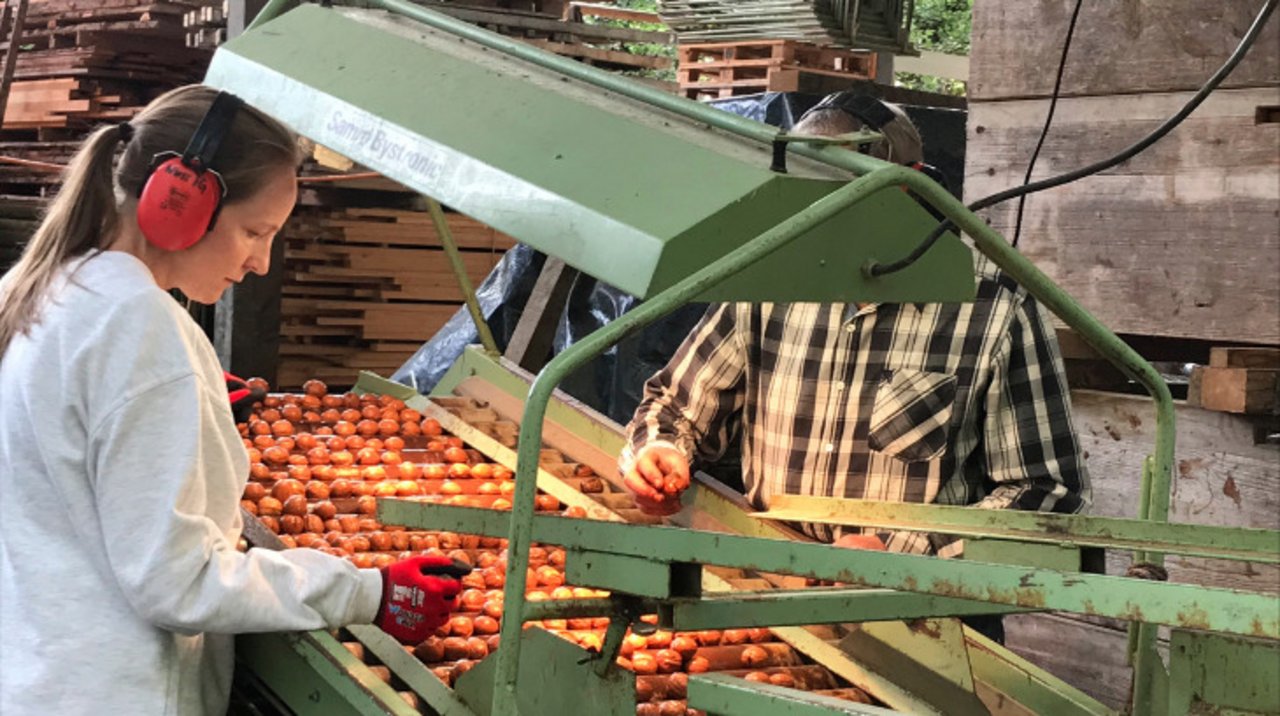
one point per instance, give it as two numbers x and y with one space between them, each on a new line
901 140
84 215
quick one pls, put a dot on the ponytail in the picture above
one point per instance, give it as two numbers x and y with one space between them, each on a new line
80 218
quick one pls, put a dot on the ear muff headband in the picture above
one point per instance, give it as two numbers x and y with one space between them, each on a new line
182 195
868 110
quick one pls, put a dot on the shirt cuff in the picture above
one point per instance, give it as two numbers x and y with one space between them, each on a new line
368 599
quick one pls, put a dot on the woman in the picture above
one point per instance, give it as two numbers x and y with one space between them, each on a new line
121 468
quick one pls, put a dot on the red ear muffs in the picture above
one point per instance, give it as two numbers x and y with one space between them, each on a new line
179 203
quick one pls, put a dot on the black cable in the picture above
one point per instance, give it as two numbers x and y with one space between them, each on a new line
878 269
1048 120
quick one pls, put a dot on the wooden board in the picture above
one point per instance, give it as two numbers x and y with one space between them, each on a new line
1180 241
1118 47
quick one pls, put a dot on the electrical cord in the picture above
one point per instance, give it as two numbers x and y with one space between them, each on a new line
878 269
1048 119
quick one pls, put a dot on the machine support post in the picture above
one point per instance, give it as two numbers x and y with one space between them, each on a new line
576 355
618 624
464 281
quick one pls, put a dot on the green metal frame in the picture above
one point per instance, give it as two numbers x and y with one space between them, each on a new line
615 549
1203 608
344 684
723 695
1238 543
994 666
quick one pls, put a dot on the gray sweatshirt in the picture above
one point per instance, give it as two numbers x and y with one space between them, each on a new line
120 480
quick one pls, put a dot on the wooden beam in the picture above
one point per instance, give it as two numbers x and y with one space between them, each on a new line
1225 357
1118 47
530 344
1250 391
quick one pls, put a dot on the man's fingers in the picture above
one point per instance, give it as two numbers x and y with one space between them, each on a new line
676 469
640 486
649 469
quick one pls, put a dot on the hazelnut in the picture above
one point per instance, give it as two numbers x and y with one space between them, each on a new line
753 656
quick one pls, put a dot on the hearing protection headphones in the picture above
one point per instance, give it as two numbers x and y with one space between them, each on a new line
182 194
875 115
868 110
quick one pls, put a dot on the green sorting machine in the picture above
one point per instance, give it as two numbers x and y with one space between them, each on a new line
673 201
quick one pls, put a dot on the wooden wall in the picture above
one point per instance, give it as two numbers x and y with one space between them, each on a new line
1184 239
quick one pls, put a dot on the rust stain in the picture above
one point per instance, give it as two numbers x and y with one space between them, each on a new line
1033 598
1187 468
1134 421
926 627
1230 490
1195 618
1111 430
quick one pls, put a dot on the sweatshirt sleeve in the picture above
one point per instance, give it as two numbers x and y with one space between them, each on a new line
167 492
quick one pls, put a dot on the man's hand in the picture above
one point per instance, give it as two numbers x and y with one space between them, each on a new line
854 541
657 478
415 601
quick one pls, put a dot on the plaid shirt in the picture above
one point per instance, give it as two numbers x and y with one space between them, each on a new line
953 404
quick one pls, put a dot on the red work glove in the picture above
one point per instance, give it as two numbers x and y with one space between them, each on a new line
418 594
242 396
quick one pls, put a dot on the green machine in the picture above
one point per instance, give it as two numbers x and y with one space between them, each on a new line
675 202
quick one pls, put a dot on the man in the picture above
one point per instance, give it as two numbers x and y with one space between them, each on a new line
951 404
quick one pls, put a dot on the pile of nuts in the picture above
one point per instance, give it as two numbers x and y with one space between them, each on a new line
318 463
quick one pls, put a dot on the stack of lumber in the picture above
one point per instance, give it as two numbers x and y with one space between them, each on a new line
89 62
365 287
583 31
1176 250
206 25
82 63
728 69
841 23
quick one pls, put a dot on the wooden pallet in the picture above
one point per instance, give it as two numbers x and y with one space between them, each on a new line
727 69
